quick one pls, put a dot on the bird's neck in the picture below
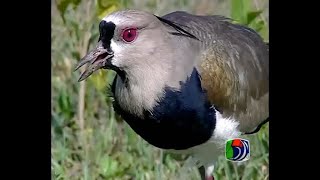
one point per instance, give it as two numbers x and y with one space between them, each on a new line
139 91
181 119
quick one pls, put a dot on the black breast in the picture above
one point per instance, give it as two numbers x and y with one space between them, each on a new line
182 119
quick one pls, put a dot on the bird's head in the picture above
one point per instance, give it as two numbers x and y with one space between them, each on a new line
145 50
127 43
132 41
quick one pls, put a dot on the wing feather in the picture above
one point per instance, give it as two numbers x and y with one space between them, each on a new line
233 64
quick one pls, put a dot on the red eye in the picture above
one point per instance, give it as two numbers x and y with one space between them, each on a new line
129 35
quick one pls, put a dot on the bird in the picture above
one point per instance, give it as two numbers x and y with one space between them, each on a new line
184 83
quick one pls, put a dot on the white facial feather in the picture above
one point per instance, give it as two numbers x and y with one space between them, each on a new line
113 18
117 48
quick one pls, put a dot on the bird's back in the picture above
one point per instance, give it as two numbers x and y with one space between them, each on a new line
233 64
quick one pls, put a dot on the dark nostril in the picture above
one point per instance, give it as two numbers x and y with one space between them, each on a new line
102 56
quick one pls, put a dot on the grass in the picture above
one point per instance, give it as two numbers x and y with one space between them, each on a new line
89 141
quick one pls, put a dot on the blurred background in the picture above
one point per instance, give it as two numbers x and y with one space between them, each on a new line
89 141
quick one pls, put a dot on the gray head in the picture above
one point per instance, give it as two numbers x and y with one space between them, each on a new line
142 49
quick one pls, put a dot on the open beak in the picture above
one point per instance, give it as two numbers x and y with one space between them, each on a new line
96 59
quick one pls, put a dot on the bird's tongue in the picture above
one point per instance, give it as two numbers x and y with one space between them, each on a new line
99 58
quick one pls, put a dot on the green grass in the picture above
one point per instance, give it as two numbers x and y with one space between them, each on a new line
89 141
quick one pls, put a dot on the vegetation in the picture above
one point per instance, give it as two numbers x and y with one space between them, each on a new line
89 141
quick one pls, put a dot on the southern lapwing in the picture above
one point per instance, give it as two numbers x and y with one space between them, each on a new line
184 83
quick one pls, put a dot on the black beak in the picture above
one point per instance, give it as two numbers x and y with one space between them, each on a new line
97 58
